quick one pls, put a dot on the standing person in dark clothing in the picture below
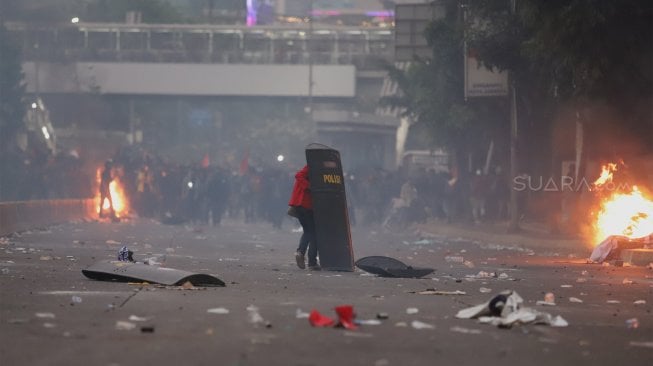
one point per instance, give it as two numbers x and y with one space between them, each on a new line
302 205
105 192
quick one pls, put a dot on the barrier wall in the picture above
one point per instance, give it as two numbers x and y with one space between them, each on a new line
23 215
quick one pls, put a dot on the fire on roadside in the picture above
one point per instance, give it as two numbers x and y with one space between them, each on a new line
626 211
118 196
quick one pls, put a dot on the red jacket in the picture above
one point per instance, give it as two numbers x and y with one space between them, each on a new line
301 193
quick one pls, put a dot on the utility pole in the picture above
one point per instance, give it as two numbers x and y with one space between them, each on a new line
309 47
514 169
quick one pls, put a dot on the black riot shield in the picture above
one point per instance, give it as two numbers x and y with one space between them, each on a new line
330 208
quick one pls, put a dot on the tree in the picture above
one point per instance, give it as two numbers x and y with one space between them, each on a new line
578 52
12 89
432 93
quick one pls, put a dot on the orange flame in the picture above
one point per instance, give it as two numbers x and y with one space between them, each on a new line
626 213
607 171
118 196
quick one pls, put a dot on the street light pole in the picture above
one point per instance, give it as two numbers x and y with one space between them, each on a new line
514 170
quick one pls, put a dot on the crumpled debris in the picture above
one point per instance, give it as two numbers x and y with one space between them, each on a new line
346 318
318 320
256 318
416 324
549 300
125 255
506 310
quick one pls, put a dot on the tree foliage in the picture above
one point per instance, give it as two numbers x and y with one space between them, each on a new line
574 49
12 90
432 92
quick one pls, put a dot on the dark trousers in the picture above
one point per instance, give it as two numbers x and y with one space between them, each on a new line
307 240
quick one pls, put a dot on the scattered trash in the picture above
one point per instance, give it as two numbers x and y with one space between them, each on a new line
439 292
549 299
464 330
412 311
45 315
566 286
416 324
125 255
299 314
368 322
454 259
584 273
505 310
112 242
147 329
170 250
503 276
627 281
346 316
76 300
255 317
135 318
5 271
401 324
639 302
382 316
613 302
575 299
390 267
123 325
45 258
49 325
318 320
218 311
423 242
485 290
468 264
632 323
483 274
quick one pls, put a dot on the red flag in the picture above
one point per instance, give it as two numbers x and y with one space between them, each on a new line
244 164
205 161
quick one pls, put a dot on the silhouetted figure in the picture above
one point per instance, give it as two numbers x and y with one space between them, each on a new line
105 192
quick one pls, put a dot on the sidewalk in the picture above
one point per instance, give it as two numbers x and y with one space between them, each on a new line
531 236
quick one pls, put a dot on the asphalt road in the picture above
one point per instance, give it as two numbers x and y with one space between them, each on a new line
50 314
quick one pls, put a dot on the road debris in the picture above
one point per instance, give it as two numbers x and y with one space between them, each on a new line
465 330
411 311
506 310
431 291
576 300
256 318
416 324
484 290
218 311
136 318
124 325
639 302
45 315
318 320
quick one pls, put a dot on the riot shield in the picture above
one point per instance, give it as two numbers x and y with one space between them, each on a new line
332 231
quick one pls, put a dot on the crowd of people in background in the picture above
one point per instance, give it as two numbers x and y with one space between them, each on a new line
206 193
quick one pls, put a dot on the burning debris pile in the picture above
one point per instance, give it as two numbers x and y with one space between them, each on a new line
623 218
